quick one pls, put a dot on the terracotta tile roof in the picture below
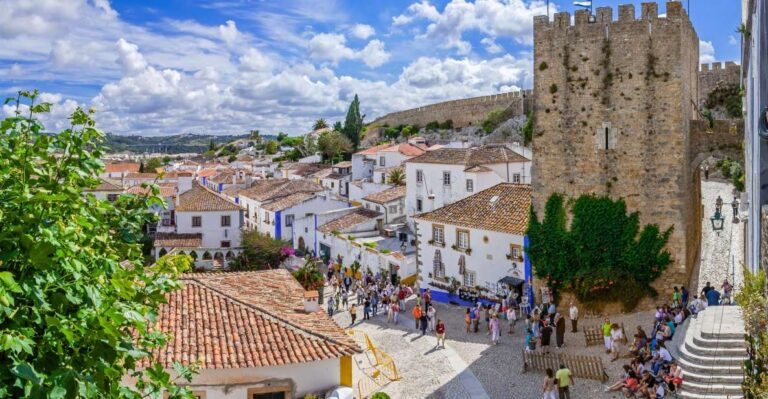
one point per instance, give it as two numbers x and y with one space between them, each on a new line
488 154
246 319
390 194
106 185
343 164
335 176
407 149
207 172
202 199
478 168
373 150
121 167
349 220
288 201
165 190
175 174
173 240
509 213
320 173
272 189
141 176
306 169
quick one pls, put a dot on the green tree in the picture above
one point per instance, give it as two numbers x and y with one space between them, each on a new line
396 177
338 127
271 147
332 144
281 137
307 146
309 276
259 252
320 124
77 303
353 124
153 164
604 256
211 146
255 135
527 129
166 160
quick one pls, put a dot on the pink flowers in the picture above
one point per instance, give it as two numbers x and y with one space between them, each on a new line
286 252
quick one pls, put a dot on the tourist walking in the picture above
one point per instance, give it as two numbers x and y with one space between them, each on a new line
390 312
495 329
347 283
511 319
374 303
616 338
713 297
366 309
416 315
345 299
564 380
573 313
468 319
330 306
474 314
675 297
431 313
546 334
423 322
684 295
607 335
559 330
550 385
360 294
353 314
395 311
727 290
440 332
401 298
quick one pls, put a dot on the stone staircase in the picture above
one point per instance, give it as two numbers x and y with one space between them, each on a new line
711 351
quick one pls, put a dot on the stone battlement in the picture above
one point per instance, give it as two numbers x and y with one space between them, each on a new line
604 15
718 66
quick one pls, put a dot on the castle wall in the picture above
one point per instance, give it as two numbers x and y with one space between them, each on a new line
712 74
613 102
724 138
463 112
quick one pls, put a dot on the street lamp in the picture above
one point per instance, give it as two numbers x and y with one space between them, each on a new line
717 220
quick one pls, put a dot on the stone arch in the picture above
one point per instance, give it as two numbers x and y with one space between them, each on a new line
207 255
193 254
182 253
229 255
218 256
302 245
162 253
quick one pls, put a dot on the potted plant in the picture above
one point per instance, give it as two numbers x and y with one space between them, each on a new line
468 251
310 277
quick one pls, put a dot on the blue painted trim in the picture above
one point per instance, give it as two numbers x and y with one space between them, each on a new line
237 200
315 230
444 297
204 179
278 226
528 271
221 187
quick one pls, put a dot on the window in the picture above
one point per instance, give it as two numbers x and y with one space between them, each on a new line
247 211
438 268
419 176
393 209
418 204
269 392
197 221
516 178
469 278
446 178
112 197
438 234
382 161
377 208
266 217
331 184
470 185
515 252
367 206
289 220
226 220
383 178
462 239
225 244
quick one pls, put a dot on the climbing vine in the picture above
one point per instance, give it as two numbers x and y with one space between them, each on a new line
754 305
727 97
603 256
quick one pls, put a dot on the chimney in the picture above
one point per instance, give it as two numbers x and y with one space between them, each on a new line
184 182
311 304
234 178
176 197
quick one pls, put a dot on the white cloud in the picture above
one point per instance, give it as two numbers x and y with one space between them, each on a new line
255 61
362 31
491 46
732 40
129 58
333 47
706 52
496 18
229 32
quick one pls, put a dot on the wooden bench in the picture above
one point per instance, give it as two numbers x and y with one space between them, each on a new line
593 335
590 367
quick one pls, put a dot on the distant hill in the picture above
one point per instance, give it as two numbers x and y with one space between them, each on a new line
175 144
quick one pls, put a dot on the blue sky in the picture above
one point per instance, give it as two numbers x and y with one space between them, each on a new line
228 66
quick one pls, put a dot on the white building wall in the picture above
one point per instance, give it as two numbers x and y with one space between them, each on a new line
316 205
487 259
213 232
397 205
368 188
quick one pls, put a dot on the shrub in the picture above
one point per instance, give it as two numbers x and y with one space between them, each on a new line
434 125
496 118
448 124
543 66
380 395
528 129
725 167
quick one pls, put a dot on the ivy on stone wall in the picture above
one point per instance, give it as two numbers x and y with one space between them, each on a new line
727 97
603 256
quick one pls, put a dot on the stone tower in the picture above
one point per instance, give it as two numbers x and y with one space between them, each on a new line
613 100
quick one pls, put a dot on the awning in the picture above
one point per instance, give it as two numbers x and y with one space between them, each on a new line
512 281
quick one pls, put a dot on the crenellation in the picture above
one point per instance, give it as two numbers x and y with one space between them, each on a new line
675 10
540 21
716 66
604 15
626 12
649 10
562 20
582 17
704 67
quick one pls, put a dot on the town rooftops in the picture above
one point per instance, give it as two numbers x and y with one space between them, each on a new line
243 320
390 194
488 154
124 167
202 199
288 201
407 149
504 207
166 190
174 240
343 164
138 175
106 185
349 220
373 150
264 190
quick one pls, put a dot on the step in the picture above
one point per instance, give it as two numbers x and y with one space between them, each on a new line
721 342
693 395
708 360
718 389
716 369
705 378
714 348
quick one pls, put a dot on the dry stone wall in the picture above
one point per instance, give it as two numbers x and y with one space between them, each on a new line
613 102
465 112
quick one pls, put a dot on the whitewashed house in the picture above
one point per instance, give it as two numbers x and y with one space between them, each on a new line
272 339
116 170
390 202
207 227
446 175
478 241
107 189
337 182
364 161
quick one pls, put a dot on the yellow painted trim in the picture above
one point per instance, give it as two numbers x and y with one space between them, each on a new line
345 370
